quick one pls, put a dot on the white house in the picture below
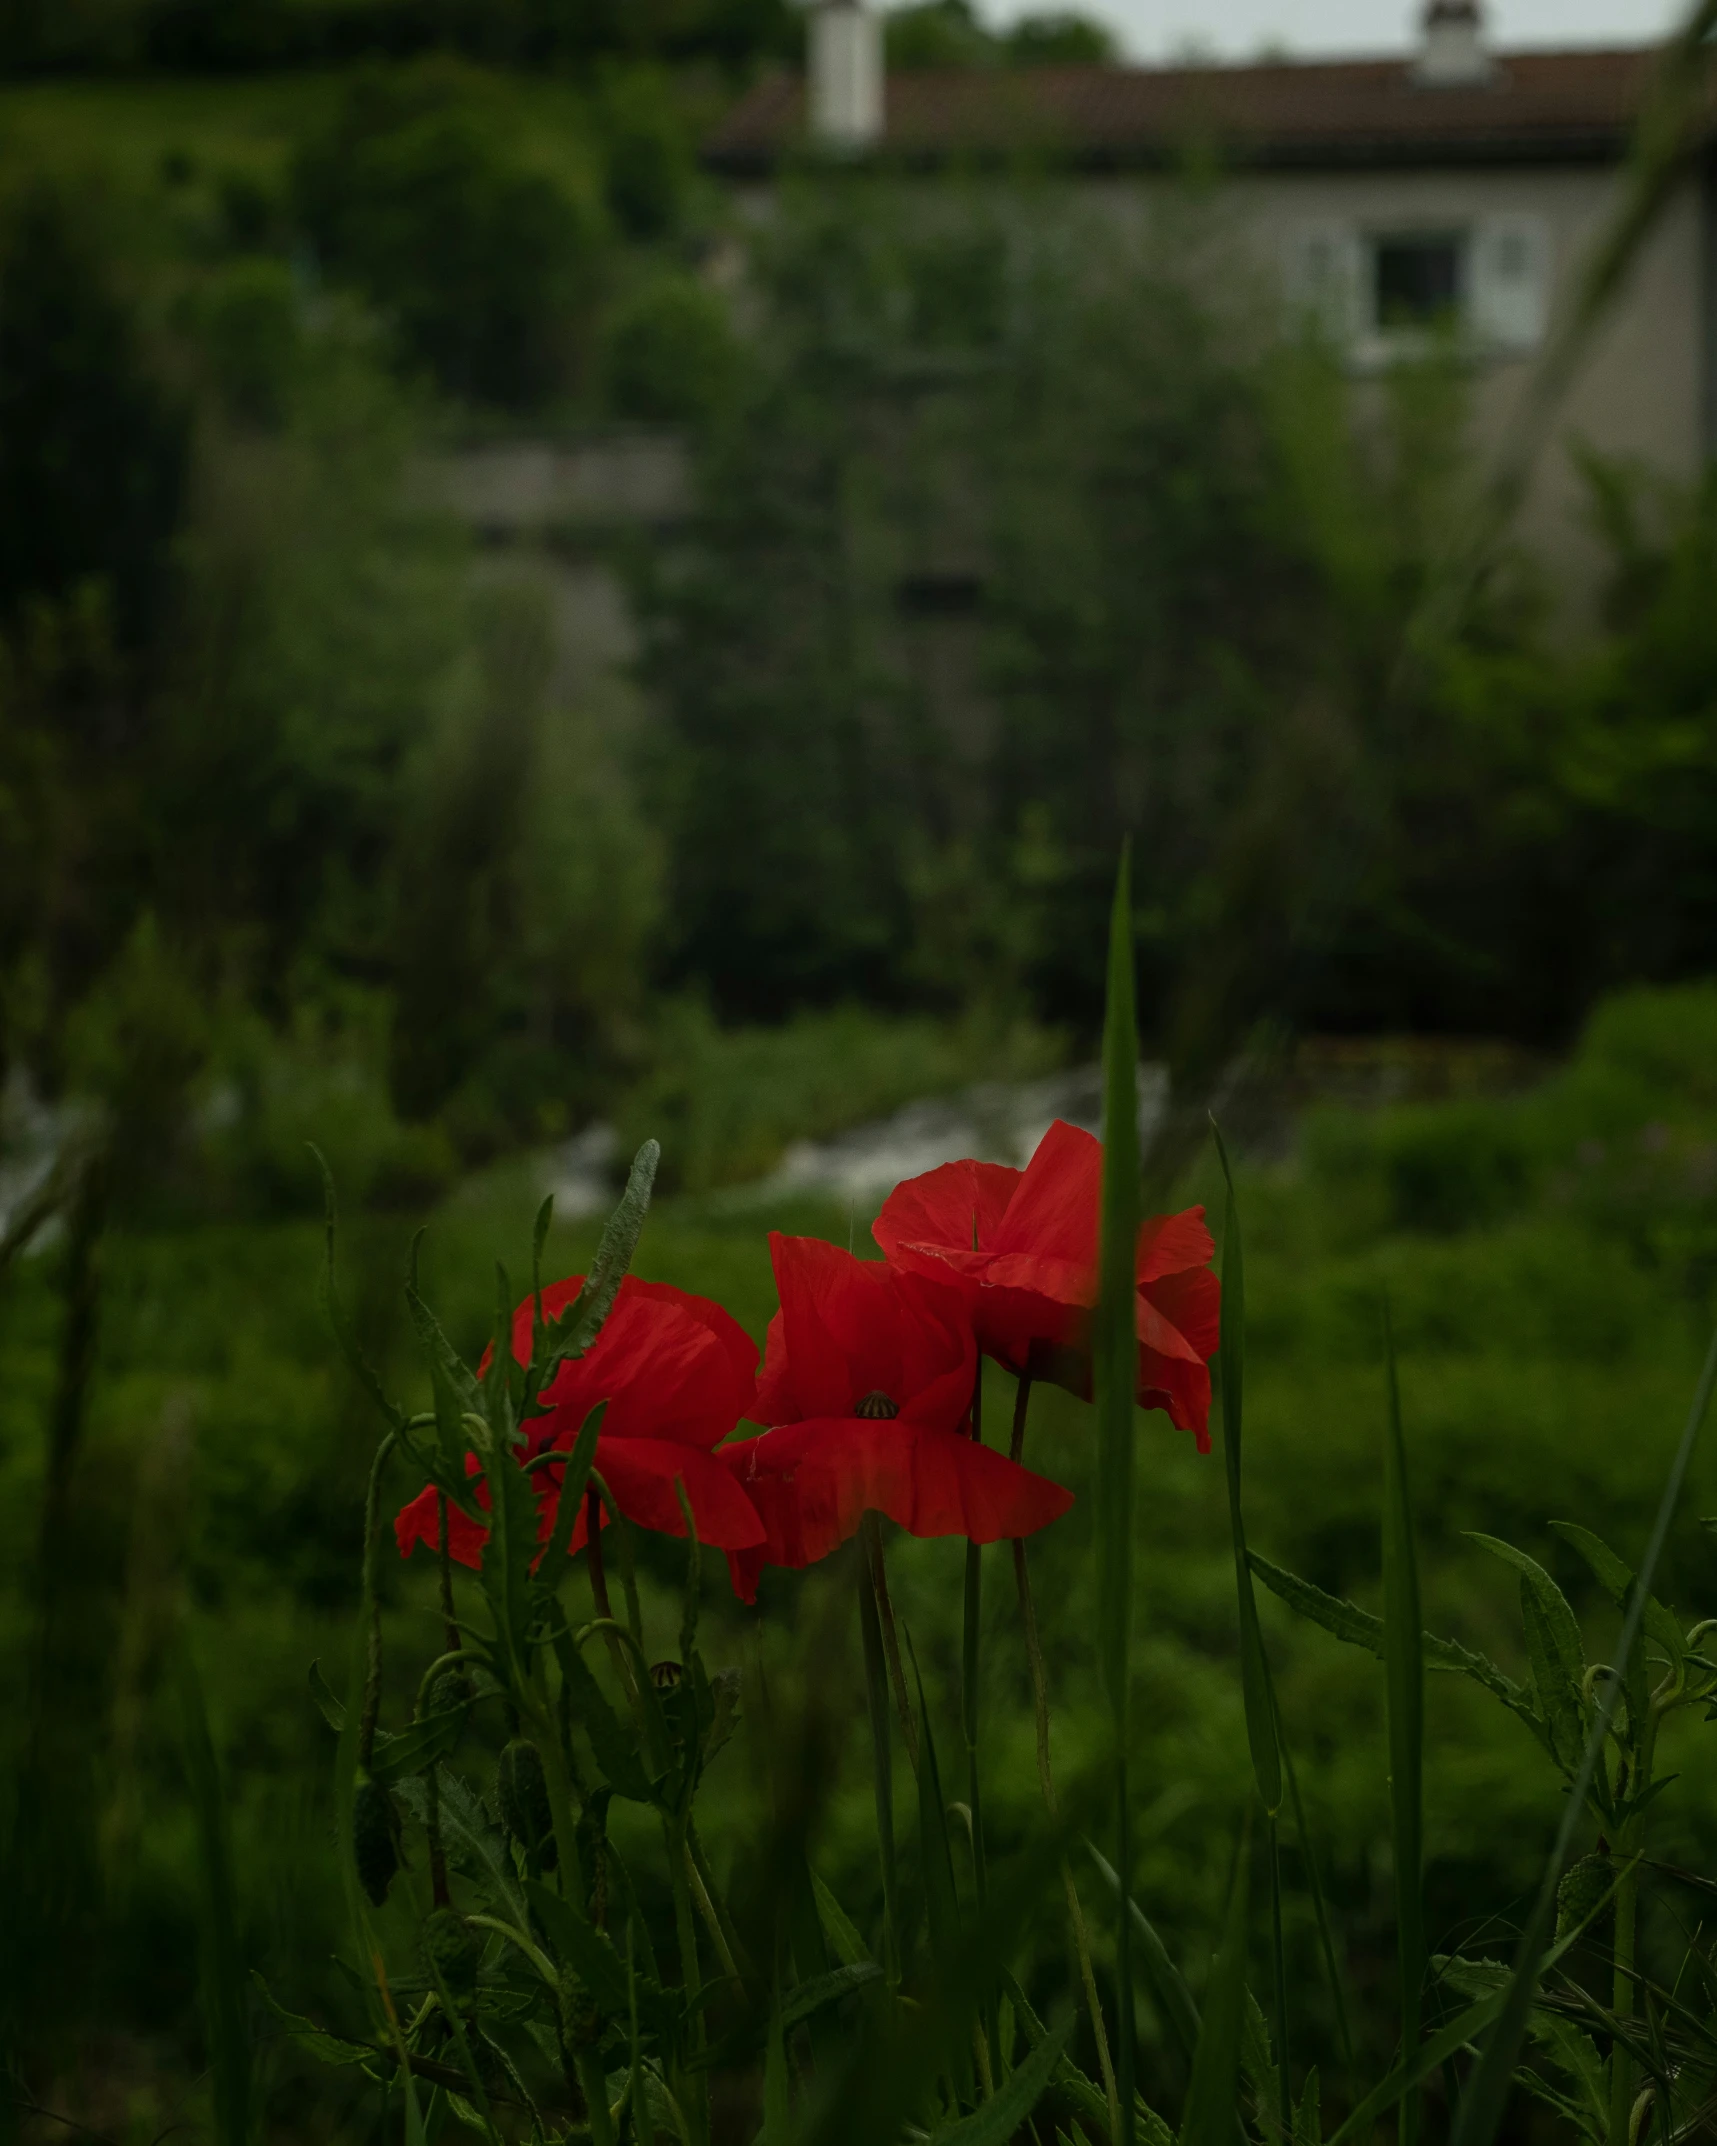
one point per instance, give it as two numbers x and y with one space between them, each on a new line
1454 184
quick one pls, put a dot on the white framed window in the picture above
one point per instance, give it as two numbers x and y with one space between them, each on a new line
1383 291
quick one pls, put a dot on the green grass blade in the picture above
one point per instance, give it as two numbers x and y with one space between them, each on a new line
1320 1907
1209 2117
1231 1363
1255 1685
225 1983
936 1869
1486 2097
882 1757
1404 1681
1001 2117
1172 1994
1114 1376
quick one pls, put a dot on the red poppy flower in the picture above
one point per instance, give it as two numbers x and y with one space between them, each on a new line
867 1380
1022 1245
677 1374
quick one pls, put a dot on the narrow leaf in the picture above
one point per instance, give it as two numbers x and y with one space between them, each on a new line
1166 1978
1404 1681
1615 1578
1114 1380
581 1946
1209 2117
1008 2108
1231 1361
333 1710
1347 1621
223 1979
1553 1647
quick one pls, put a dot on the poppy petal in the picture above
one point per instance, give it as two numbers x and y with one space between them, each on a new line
813 1482
420 1521
959 1206
640 1474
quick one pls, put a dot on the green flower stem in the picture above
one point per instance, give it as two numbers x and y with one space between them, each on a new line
870 1531
694 2097
372 1706
1081 1936
593 2083
528 1946
1623 2081
705 1905
730 1944
445 1556
882 1752
971 1641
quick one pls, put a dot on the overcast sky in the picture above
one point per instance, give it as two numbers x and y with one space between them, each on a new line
1240 29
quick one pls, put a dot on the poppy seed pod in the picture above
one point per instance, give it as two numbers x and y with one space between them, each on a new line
452 1688
521 1798
375 1838
580 2022
1581 1893
451 1952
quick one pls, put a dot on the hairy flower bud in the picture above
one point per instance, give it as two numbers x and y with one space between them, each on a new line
452 1688
375 1838
1583 1887
521 1798
451 1952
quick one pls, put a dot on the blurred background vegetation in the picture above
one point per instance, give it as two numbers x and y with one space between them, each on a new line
990 544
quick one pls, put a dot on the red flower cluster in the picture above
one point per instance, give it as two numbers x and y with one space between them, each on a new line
1022 1247
869 1372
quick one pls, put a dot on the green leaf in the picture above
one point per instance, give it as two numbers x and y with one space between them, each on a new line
472 1838
509 1551
1347 1621
1404 1685
1012 2103
419 1746
1553 1647
1258 2062
314 2040
822 1990
578 1326
454 1392
1231 1362
1209 2116
1308 2117
843 1935
580 1945
610 1744
333 1710
1166 1978
1486 2095
1437 2049
1615 1578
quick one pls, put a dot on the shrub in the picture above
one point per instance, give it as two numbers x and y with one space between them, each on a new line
669 353
483 263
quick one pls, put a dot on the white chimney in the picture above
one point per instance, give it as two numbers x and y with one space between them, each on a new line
1452 55
846 75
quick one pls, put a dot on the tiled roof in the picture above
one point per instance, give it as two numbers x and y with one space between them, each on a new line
1536 107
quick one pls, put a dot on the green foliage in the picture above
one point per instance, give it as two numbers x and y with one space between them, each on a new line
950 33
92 448
647 153
481 262
669 354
